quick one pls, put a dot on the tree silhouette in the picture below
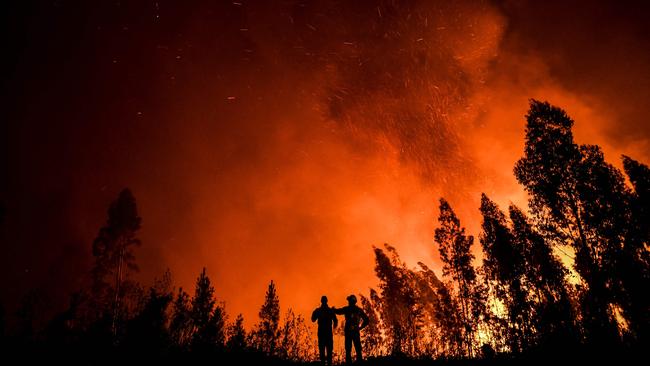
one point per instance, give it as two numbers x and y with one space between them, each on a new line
546 277
439 325
147 331
208 320
237 336
268 329
180 327
215 334
400 309
577 198
635 268
504 266
455 252
639 175
447 312
113 252
294 337
371 338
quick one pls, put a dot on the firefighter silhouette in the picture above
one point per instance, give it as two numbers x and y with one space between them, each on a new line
326 321
355 320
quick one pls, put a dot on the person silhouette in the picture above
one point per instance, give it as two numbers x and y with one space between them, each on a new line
353 315
326 320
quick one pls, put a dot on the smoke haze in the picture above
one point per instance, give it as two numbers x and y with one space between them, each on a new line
281 140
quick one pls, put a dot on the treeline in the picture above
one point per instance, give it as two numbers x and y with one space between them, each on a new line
115 318
519 300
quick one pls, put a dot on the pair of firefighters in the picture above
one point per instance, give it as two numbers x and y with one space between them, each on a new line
355 320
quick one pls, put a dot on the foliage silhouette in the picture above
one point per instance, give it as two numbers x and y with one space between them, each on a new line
518 306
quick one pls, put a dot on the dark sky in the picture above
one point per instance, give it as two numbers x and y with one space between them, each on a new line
280 140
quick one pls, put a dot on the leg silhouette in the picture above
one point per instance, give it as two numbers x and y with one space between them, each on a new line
348 349
328 348
321 351
356 339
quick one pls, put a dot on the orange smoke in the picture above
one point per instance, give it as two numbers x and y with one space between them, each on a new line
355 151
280 141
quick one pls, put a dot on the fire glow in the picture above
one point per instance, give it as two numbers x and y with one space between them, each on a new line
283 141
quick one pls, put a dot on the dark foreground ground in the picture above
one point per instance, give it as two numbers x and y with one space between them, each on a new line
13 354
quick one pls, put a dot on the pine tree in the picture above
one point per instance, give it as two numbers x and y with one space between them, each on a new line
455 252
215 333
237 337
268 329
114 258
203 306
181 323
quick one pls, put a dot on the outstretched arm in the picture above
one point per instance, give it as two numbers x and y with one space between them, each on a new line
339 311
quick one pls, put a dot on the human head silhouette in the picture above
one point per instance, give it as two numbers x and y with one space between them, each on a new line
323 300
352 300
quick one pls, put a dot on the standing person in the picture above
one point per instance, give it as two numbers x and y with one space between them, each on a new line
326 321
353 315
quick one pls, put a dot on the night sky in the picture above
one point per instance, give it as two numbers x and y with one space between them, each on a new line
282 139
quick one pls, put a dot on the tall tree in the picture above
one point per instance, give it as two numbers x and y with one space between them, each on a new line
577 198
639 175
455 252
114 258
268 329
636 270
442 328
546 277
400 309
504 267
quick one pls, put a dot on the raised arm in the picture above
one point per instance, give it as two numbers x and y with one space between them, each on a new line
339 311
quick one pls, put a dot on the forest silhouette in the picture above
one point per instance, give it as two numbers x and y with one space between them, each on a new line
516 306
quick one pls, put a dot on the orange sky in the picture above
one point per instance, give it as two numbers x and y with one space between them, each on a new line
324 189
281 142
